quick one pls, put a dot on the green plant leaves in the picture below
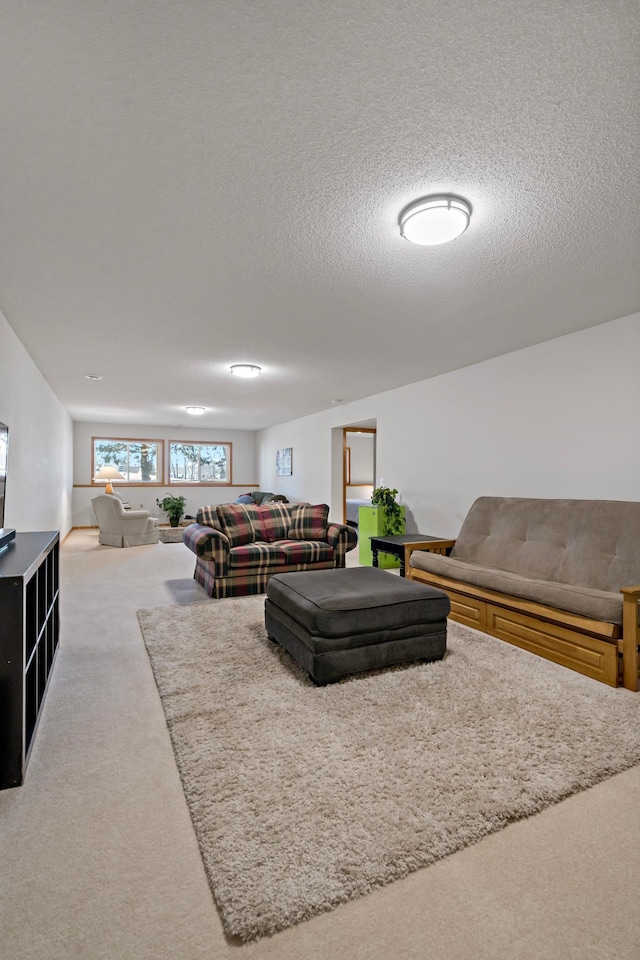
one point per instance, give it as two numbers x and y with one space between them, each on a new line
386 497
172 506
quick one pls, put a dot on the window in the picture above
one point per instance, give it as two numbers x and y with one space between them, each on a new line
199 462
139 461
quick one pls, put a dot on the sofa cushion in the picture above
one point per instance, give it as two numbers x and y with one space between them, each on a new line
598 604
304 551
309 522
208 516
236 522
272 521
584 543
257 554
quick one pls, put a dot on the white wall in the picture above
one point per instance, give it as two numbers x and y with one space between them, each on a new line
244 471
310 439
39 473
559 419
556 419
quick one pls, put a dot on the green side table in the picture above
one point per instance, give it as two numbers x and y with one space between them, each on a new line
372 522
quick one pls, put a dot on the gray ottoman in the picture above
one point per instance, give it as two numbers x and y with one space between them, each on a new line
336 622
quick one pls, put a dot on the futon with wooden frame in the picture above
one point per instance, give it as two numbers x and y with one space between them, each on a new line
555 577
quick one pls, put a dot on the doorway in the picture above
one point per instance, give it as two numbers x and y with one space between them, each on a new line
358 470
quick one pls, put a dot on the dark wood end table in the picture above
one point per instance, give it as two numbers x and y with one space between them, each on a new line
394 544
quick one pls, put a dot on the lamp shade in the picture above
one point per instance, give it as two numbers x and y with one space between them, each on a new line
109 472
435 219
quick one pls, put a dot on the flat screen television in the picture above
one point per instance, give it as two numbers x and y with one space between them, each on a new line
6 535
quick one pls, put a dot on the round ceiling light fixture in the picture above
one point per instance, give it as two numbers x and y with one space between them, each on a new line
93 376
435 219
195 411
245 370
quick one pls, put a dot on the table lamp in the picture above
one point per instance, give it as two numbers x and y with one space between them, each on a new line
108 473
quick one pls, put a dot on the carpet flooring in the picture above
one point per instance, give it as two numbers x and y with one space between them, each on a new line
303 798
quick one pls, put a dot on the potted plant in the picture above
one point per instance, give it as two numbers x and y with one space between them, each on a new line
394 514
173 507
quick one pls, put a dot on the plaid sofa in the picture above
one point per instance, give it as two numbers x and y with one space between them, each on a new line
240 546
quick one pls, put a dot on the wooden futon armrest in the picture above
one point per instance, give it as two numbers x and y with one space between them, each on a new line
632 592
630 636
430 546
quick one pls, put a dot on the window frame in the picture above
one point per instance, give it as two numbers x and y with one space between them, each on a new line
152 441
201 483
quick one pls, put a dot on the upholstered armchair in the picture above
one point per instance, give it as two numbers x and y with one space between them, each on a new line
123 528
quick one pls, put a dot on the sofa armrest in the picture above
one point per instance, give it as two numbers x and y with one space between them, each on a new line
136 521
342 538
209 544
630 636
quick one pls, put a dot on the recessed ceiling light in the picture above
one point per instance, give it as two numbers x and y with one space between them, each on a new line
92 376
246 370
195 411
435 219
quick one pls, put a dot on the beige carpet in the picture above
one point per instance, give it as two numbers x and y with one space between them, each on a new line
303 798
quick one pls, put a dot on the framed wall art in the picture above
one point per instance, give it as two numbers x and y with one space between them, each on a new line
284 462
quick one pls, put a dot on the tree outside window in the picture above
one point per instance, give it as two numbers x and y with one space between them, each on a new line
199 462
139 461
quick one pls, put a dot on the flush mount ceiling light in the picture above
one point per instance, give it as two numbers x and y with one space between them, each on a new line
92 376
195 411
245 370
435 219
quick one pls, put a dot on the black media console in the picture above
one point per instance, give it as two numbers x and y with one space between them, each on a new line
29 634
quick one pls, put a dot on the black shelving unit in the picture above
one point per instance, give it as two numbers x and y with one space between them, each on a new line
29 635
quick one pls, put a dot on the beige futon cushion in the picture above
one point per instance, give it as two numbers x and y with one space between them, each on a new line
571 554
598 604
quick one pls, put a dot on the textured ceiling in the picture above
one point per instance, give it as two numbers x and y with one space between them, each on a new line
184 185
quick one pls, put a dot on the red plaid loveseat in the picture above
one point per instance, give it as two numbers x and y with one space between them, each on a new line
240 546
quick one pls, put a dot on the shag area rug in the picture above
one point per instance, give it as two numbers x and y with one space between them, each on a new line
304 797
171 535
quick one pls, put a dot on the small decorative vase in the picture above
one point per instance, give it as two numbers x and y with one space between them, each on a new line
174 521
